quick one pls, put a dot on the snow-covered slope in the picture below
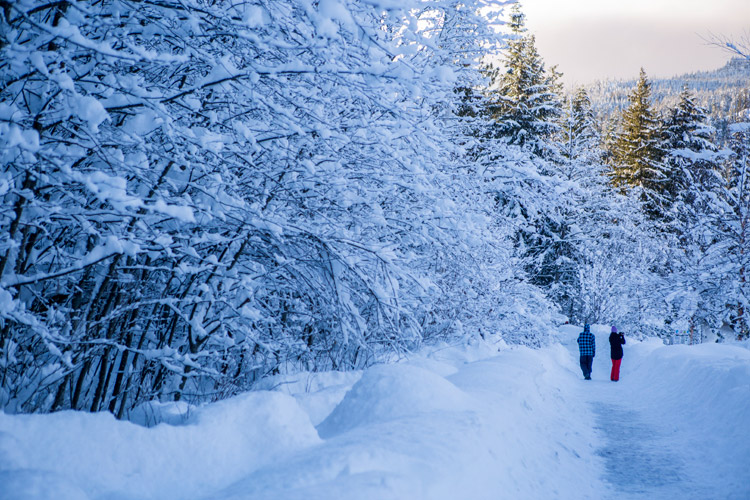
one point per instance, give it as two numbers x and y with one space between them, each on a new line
454 423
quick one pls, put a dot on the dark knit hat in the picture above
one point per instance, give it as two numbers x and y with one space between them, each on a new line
614 329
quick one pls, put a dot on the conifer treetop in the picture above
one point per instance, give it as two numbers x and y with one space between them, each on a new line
637 152
525 96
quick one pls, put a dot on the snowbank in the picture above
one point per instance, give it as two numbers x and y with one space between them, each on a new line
706 383
438 427
389 392
703 394
452 423
83 455
441 425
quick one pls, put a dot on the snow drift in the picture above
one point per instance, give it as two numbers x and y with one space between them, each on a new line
453 423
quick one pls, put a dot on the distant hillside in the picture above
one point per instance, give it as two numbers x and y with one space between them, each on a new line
724 93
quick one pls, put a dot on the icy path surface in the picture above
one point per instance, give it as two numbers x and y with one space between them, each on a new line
452 424
639 458
671 427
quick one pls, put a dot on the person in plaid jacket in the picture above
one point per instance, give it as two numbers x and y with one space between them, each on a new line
587 348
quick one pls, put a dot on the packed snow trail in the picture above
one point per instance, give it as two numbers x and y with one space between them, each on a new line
637 457
671 427
454 423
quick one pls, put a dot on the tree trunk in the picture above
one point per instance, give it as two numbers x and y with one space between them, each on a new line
79 384
18 213
60 395
120 371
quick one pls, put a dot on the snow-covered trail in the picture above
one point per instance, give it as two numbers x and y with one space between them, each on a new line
640 463
455 423
659 433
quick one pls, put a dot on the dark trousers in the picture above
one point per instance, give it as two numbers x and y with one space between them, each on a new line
586 363
615 375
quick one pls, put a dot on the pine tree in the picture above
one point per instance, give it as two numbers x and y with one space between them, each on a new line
525 99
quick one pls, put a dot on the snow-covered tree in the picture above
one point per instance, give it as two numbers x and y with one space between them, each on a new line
734 230
691 164
580 140
688 146
637 155
708 287
200 195
525 96
483 288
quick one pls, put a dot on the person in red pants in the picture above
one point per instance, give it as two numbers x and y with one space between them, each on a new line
616 341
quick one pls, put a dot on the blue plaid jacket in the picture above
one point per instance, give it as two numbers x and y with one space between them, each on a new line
586 342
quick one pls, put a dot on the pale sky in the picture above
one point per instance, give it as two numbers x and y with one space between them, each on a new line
597 39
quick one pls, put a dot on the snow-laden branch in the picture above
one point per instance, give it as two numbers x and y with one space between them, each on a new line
113 246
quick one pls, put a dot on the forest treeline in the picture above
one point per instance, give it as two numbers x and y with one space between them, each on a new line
724 93
199 194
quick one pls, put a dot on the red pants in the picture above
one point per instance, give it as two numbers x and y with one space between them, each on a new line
615 375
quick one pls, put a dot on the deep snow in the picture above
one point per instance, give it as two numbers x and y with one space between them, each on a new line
473 422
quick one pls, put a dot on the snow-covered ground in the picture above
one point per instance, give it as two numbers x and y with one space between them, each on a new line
672 427
485 421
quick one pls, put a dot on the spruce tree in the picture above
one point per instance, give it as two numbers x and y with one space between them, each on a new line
580 136
687 143
525 99
638 154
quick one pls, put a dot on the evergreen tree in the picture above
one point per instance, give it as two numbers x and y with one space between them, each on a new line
687 142
610 130
716 243
735 226
525 99
580 136
692 177
637 155
554 251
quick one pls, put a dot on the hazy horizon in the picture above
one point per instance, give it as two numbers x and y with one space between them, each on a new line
593 40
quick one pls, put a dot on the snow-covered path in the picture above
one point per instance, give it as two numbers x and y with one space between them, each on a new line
639 461
640 456
457 423
660 435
